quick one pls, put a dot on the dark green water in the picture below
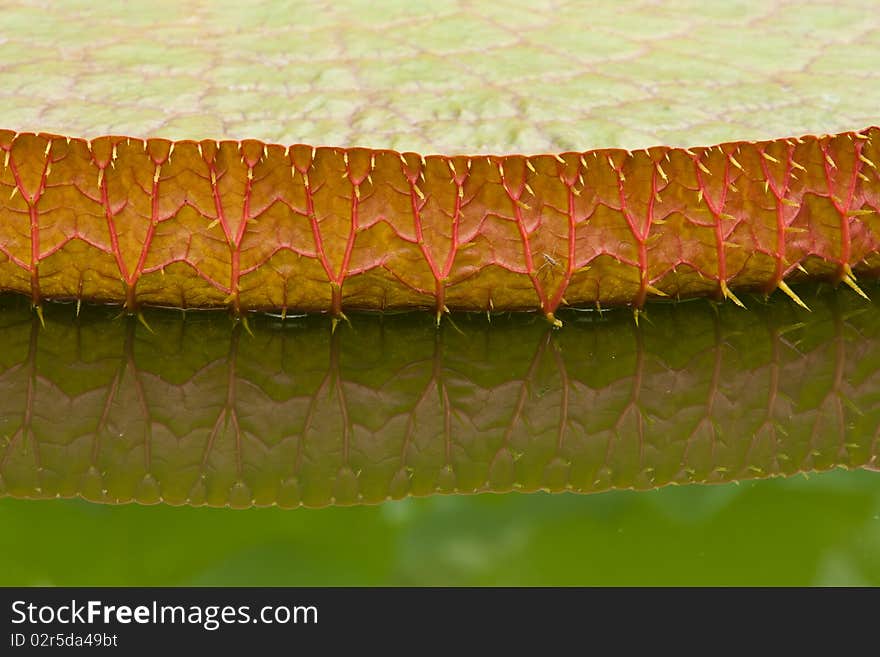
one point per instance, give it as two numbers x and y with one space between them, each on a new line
825 530
198 411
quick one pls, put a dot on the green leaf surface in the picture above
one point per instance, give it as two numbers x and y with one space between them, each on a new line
519 75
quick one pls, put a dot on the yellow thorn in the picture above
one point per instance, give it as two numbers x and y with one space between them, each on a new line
734 162
440 312
798 166
704 168
789 202
636 313
78 305
792 327
830 161
700 195
794 297
655 291
662 173
730 295
555 323
143 320
800 268
867 161
246 324
336 319
454 325
851 281
39 310
769 157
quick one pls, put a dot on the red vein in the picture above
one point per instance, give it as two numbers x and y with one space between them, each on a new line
572 236
842 210
339 280
418 201
716 214
313 222
131 301
524 236
33 213
111 225
779 272
641 239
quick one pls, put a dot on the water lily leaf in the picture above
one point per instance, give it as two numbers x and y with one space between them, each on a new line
212 199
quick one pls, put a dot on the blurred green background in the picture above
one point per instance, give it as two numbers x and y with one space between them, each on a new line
824 530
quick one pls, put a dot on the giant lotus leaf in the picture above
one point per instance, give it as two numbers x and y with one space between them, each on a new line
226 217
